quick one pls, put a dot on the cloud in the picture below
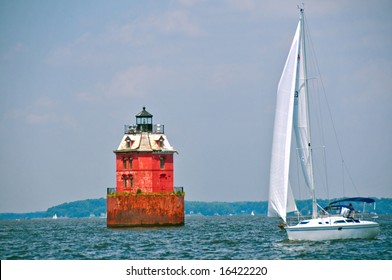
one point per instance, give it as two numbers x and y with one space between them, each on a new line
43 110
48 118
285 8
44 102
176 21
227 75
117 39
187 2
125 33
35 118
76 52
134 81
15 51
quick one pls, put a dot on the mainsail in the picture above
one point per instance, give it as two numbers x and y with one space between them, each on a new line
301 119
281 200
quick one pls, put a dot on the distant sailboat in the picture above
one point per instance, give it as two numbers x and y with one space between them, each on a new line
253 213
292 113
54 216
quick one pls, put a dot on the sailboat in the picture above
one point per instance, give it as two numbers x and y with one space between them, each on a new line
292 114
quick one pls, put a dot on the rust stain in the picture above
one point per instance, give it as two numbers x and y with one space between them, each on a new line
128 210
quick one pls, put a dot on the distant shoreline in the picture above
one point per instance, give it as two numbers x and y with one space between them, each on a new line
97 208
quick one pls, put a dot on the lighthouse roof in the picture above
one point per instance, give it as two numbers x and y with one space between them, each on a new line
145 142
144 113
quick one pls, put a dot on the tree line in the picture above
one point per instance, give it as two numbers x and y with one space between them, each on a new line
97 208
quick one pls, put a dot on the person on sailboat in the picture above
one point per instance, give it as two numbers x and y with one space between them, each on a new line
351 211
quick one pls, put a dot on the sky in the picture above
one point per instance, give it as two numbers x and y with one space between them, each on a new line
72 73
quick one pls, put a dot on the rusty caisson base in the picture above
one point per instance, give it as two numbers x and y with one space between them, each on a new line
145 210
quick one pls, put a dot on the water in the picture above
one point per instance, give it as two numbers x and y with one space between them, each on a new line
222 237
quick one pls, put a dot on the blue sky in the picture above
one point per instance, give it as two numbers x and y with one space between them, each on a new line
74 72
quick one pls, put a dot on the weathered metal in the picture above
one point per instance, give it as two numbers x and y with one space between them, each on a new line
140 210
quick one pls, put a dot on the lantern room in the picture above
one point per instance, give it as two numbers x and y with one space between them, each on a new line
144 121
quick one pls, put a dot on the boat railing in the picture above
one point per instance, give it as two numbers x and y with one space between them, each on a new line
357 215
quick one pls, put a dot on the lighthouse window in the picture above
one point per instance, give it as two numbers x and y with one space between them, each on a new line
161 142
128 142
130 181
162 162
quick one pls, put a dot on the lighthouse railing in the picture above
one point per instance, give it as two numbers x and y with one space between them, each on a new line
111 191
133 128
178 189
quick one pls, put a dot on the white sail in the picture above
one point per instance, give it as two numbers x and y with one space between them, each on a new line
281 200
301 121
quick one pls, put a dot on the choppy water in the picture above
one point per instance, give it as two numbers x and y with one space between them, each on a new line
224 237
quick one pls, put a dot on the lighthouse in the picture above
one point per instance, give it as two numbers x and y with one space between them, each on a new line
145 194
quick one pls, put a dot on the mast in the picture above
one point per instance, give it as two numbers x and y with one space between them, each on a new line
309 165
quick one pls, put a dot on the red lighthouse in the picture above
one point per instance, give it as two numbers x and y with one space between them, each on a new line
144 193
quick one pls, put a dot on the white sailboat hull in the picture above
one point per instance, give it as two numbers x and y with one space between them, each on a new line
332 228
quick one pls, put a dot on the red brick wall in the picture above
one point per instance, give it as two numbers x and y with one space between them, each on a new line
147 174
